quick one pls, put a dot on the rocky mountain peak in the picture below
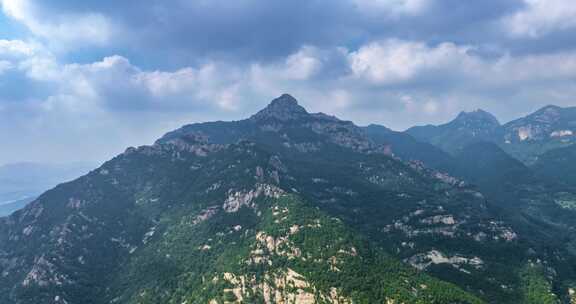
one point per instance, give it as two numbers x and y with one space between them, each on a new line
282 108
477 117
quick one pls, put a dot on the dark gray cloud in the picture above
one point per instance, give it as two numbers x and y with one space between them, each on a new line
177 32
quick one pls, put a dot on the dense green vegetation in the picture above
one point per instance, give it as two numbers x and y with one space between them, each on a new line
558 165
176 268
536 289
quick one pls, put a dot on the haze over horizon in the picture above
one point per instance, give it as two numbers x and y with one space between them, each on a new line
81 81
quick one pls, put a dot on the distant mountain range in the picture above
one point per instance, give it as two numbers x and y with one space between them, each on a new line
288 206
525 138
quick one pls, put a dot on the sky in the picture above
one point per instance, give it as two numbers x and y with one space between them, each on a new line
83 80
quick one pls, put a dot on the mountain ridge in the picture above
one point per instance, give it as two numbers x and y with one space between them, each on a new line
226 212
466 128
525 138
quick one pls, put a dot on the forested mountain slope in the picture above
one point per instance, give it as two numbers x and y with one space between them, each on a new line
283 207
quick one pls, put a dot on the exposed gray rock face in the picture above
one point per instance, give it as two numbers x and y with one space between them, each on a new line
237 199
434 257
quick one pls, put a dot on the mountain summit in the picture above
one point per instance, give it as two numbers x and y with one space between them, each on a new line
478 118
547 123
548 128
285 121
466 128
283 108
525 138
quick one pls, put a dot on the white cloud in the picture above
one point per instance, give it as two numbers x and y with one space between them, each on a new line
27 56
5 65
382 82
531 68
303 64
59 29
392 7
115 84
431 107
16 48
540 17
395 82
423 105
13 52
161 83
114 87
340 98
396 61
211 84
432 83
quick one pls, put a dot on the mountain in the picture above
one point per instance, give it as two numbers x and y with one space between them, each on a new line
525 138
466 128
558 165
532 202
546 129
509 184
20 183
283 207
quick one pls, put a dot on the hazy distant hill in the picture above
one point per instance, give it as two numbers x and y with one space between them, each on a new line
525 138
467 128
22 182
